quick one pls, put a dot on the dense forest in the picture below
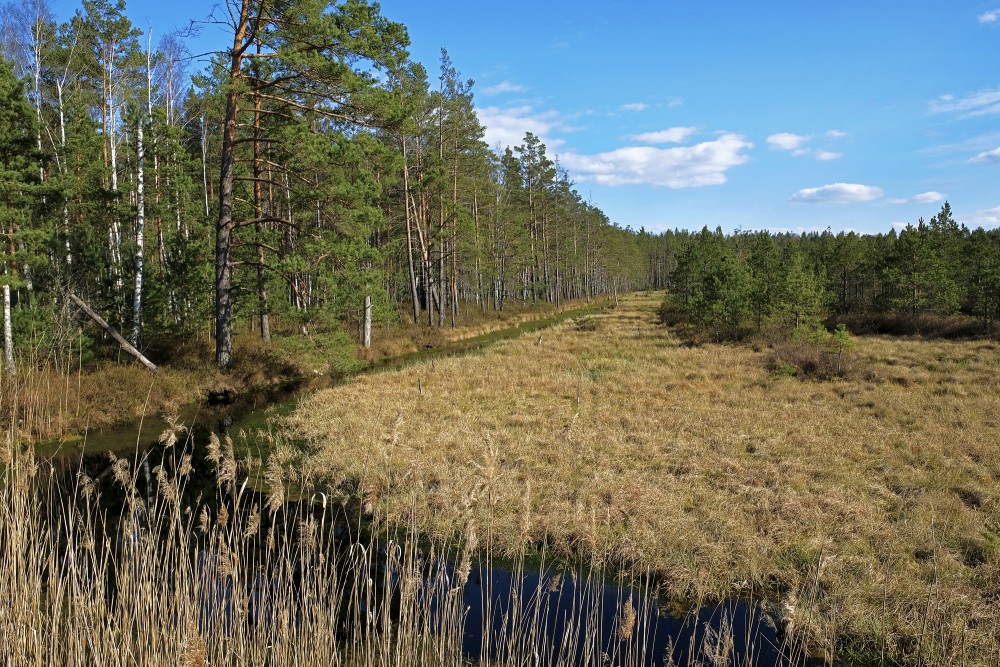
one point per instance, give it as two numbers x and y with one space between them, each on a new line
313 165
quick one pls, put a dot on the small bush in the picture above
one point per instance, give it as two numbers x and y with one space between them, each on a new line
814 353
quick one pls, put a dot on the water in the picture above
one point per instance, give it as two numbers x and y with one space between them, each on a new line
582 618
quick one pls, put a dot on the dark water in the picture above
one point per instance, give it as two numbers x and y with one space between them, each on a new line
583 618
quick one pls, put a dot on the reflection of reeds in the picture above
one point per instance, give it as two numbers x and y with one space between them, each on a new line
196 582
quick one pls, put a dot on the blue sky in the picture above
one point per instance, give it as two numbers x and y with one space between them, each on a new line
781 115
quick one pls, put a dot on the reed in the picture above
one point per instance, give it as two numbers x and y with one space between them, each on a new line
168 574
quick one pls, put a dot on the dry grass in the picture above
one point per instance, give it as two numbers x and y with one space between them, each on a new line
869 508
406 337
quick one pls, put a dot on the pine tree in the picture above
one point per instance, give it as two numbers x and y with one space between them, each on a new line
21 195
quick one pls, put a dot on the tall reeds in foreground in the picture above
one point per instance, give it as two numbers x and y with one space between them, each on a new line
182 574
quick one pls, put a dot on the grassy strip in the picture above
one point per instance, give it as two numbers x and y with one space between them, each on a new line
869 508
54 402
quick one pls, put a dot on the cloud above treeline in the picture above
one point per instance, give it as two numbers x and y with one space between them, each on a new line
673 135
796 144
694 166
987 218
923 198
503 87
837 193
506 126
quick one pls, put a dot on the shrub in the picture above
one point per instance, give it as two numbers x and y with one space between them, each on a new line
814 353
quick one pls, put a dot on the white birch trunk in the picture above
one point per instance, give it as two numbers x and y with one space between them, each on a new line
8 332
204 163
140 228
368 322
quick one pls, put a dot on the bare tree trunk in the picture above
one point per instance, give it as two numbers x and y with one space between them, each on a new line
8 332
128 347
368 322
140 233
414 296
204 162
265 325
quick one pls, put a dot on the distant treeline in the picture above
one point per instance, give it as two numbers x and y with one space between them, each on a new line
931 277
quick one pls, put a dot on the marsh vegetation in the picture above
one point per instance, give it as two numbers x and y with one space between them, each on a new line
865 506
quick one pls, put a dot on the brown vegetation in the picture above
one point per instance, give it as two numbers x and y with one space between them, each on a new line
869 507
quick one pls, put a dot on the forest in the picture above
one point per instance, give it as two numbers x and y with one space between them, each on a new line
314 164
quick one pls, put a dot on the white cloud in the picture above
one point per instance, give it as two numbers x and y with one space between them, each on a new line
635 106
815 229
673 102
989 17
927 197
836 134
796 145
901 225
507 125
988 218
673 135
991 157
923 198
980 103
786 141
503 87
678 167
837 193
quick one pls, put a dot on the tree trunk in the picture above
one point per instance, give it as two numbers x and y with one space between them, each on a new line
368 322
225 225
140 230
265 325
414 296
8 332
128 347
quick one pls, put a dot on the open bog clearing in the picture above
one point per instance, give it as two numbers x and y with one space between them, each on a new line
867 509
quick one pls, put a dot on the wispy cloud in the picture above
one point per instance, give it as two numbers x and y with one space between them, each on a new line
796 144
503 87
678 167
991 16
673 135
837 193
987 218
673 102
980 103
506 126
635 106
989 157
923 198
980 142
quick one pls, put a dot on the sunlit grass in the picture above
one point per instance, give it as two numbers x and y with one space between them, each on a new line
868 507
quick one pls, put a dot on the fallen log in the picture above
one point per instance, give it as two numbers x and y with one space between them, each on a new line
127 346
